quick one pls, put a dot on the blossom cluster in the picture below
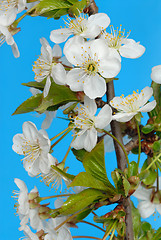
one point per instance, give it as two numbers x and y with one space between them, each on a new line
92 58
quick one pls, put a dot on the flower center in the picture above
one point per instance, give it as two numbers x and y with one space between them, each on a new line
31 151
77 25
90 66
83 120
116 37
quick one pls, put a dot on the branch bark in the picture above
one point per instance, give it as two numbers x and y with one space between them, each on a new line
121 162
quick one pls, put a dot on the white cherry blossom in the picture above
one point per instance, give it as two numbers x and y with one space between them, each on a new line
9 10
24 203
149 200
88 123
92 64
131 105
81 26
6 36
119 44
156 74
35 146
48 65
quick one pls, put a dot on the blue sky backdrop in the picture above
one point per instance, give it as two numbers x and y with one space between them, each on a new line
142 18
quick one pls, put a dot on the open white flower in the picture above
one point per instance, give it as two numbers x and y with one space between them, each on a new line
149 200
35 146
92 64
61 234
156 74
6 36
129 106
24 201
9 10
119 44
88 123
48 65
81 26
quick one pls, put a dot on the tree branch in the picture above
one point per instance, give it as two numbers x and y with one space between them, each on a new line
121 162
132 144
92 8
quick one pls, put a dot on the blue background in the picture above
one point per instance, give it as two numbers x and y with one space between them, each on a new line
142 18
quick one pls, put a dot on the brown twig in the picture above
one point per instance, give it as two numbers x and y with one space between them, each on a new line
132 144
92 8
121 162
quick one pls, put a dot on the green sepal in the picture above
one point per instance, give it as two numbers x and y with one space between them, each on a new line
29 105
80 201
121 182
138 117
147 128
157 234
152 174
64 174
132 169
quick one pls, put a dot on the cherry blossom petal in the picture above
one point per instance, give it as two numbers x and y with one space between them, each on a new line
100 19
110 67
123 117
78 143
156 74
75 78
8 17
104 117
90 104
30 131
57 52
142 193
99 49
21 185
59 74
15 50
90 139
132 50
35 221
148 107
146 208
60 35
94 86
48 120
145 95
47 87
28 232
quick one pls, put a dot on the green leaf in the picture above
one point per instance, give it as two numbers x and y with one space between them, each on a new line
56 14
147 128
58 95
126 186
83 215
152 174
34 84
157 146
84 179
133 169
48 5
80 201
29 105
78 7
79 154
94 163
